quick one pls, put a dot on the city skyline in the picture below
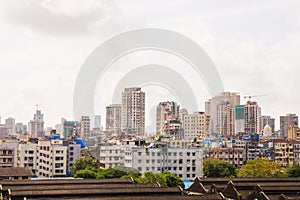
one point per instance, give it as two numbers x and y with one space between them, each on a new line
225 98
40 63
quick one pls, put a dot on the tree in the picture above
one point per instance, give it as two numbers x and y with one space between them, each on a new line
83 163
213 167
293 171
260 167
165 179
85 173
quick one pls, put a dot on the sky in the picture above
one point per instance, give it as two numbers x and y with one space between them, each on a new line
254 45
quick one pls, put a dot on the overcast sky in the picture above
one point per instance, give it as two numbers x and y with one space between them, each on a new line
255 46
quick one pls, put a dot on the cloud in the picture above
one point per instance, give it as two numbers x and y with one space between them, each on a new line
59 17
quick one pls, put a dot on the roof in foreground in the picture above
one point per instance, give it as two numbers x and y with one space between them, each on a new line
15 171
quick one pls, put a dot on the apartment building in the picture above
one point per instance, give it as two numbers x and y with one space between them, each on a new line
27 156
8 153
196 125
112 156
235 156
185 163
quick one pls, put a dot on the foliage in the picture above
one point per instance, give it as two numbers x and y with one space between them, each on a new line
83 163
165 179
260 167
293 171
87 168
85 173
213 167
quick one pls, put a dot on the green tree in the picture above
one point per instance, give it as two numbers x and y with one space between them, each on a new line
293 171
260 167
83 163
213 167
165 179
85 173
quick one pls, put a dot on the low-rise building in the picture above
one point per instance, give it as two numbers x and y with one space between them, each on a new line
8 153
235 156
185 163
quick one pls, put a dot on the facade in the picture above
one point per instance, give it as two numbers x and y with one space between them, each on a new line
293 133
49 158
85 126
21 128
52 160
225 120
164 112
267 120
28 156
10 125
284 153
286 121
3 131
173 128
8 154
36 126
185 163
239 119
73 152
112 156
69 129
235 156
214 107
252 117
113 118
196 125
98 121
296 148
133 111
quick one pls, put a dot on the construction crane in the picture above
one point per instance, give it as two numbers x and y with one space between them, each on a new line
249 97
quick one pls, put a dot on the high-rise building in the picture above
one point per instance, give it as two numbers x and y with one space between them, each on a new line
98 121
239 119
286 121
85 126
225 119
196 125
113 118
69 129
252 117
133 111
36 126
165 111
220 113
21 128
267 120
10 125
